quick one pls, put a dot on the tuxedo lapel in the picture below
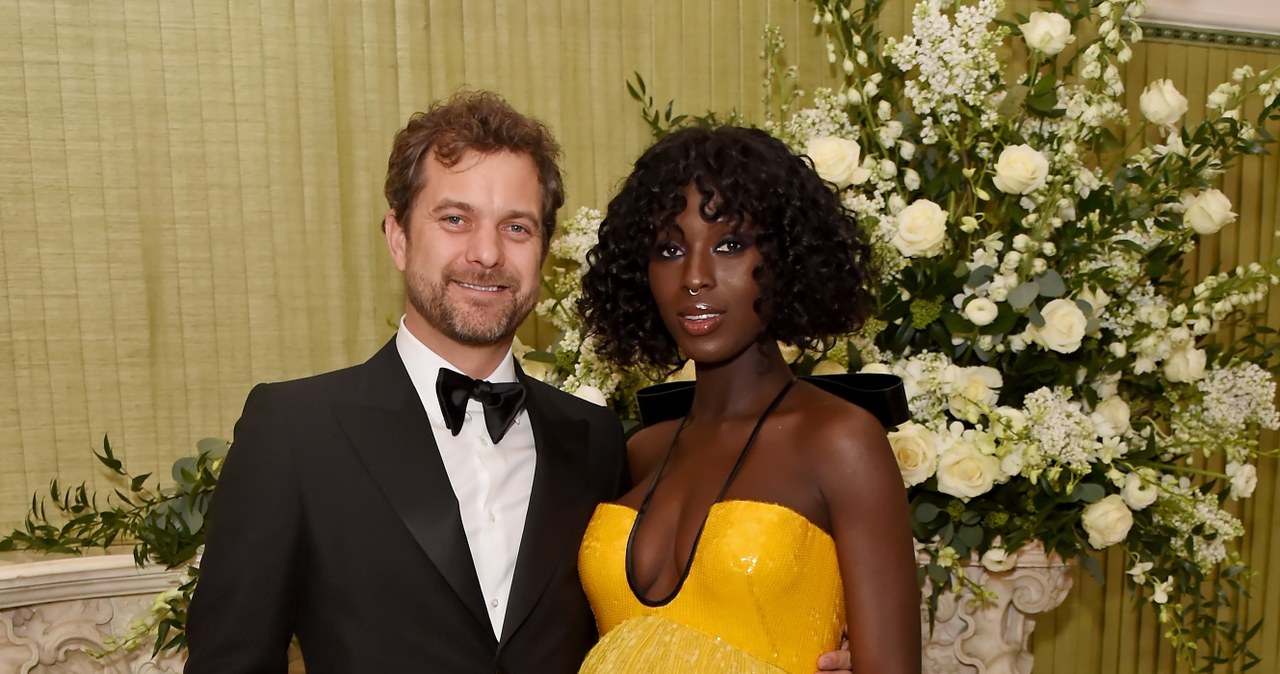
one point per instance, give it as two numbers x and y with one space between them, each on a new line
390 431
560 484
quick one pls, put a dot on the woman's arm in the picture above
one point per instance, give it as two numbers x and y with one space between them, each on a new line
871 524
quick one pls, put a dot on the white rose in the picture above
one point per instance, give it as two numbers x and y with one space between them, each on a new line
826 366
996 560
1138 493
1047 32
1208 211
878 368
1021 169
915 448
964 472
1161 103
837 160
1185 364
1063 327
590 394
972 389
1107 522
1244 479
790 352
922 229
981 311
1111 417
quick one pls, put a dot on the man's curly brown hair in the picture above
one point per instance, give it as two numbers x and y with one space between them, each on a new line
815 274
472 120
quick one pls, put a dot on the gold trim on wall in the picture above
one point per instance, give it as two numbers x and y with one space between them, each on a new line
1214 37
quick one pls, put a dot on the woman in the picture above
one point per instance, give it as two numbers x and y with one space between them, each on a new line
773 512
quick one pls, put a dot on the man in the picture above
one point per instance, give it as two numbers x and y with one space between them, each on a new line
397 516
350 514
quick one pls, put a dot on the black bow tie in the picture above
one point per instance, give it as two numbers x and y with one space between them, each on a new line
502 402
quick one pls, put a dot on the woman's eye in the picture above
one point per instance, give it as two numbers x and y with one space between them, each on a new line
732 245
666 249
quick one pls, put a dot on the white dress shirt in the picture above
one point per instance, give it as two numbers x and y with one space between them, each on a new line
491 482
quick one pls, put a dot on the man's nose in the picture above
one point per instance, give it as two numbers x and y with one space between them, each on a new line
484 247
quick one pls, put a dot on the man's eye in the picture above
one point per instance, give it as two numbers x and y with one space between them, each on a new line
453 219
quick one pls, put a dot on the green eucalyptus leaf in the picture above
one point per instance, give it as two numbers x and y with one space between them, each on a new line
970 536
926 512
1051 284
1094 569
1023 295
212 447
184 469
1088 492
539 356
981 275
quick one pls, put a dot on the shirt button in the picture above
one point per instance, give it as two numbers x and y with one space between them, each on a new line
494 603
492 517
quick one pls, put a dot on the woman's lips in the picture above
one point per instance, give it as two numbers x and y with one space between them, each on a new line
700 319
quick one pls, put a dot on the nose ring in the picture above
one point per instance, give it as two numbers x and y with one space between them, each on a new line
691 292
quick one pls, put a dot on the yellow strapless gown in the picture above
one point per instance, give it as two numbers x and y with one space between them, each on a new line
763 594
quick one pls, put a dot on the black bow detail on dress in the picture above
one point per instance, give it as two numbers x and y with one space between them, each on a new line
502 401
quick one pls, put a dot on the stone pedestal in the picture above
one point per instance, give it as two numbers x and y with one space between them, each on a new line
54 614
991 638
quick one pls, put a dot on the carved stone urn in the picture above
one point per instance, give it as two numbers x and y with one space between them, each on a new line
57 616
969 637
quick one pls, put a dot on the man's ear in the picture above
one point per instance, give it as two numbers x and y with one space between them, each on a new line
397 239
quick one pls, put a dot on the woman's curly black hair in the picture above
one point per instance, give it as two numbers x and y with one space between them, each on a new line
815 274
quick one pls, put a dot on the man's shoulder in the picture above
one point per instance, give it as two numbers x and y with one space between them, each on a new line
341 384
333 382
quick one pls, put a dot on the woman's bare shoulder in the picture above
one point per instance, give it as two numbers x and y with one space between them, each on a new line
844 445
829 423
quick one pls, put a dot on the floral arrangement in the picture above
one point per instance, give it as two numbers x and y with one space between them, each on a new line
1064 378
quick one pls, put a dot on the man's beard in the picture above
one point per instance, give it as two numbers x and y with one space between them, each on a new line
467 323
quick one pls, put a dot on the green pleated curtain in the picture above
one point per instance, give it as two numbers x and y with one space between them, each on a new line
190 198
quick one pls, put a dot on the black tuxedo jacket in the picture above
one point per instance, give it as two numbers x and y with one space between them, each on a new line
334 520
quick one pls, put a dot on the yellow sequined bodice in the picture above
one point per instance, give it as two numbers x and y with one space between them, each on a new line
762 594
